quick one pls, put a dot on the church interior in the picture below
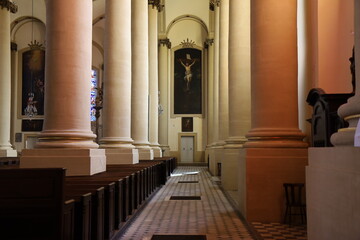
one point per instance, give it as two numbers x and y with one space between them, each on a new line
247 97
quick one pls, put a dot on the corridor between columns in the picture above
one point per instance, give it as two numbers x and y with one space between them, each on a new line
212 216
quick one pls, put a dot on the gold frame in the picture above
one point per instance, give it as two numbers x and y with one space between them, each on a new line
172 114
20 84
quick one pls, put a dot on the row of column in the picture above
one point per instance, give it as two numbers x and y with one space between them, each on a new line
129 87
272 74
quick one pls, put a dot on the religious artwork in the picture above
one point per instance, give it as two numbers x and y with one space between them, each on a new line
33 82
33 125
187 124
187 81
93 94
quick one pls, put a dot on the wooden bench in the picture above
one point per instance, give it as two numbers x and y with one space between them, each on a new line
33 206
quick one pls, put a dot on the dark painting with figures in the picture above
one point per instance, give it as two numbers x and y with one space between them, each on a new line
188 81
33 77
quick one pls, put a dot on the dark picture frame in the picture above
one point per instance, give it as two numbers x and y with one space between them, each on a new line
188 81
33 125
187 124
33 81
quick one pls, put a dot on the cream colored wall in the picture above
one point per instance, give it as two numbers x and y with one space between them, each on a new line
175 8
187 28
25 9
336 40
194 31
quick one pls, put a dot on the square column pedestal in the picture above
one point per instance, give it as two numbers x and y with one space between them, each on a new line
78 162
122 156
230 169
261 190
146 154
333 193
157 151
8 153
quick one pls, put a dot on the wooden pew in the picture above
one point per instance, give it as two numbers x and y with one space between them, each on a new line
103 206
32 204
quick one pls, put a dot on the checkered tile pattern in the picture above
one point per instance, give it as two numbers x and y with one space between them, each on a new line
278 231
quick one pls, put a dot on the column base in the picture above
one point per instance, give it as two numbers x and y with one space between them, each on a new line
157 151
145 153
165 149
230 169
8 153
266 170
78 162
332 193
121 156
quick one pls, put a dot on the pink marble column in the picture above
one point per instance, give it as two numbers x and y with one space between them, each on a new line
274 75
66 139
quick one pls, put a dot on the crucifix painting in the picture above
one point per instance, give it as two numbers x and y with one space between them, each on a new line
187 81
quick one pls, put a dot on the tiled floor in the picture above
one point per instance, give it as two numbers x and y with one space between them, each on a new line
212 216
277 231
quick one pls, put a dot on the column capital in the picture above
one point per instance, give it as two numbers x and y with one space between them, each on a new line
208 42
213 4
156 4
13 46
165 42
12 7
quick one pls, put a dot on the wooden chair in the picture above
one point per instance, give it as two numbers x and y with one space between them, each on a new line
294 202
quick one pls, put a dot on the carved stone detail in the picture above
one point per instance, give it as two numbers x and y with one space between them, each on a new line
187 43
213 4
156 4
12 7
36 45
165 42
208 42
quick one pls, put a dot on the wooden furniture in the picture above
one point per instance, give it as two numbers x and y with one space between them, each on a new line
325 120
45 204
33 206
295 202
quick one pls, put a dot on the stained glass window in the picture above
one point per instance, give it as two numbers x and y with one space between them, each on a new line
94 85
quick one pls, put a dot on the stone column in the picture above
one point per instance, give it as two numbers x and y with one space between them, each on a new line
117 85
351 111
154 79
239 91
66 139
6 7
275 152
223 83
274 75
216 73
224 72
215 156
140 79
164 46
210 114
